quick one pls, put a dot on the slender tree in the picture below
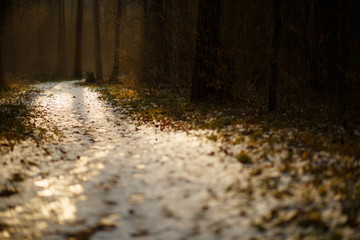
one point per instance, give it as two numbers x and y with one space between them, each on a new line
61 64
272 98
335 50
146 56
98 65
115 71
161 45
155 43
44 23
184 52
2 80
3 7
205 80
78 40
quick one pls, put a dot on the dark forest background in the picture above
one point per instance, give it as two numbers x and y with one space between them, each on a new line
273 54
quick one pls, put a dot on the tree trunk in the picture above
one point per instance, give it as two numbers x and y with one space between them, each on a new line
155 52
98 65
335 51
274 59
184 52
78 40
162 46
145 72
61 64
2 80
115 72
316 83
44 24
205 81
2 23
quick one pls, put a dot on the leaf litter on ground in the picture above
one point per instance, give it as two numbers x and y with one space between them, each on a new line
306 172
297 178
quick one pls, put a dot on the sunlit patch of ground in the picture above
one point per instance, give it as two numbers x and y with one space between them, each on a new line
106 171
300 178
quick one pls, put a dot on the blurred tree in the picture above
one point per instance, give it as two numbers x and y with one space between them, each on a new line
115 71
61 57
155 55
161 44
2 80
78 40
145 76
4 8
184 52
272 100
206 83
98 64
45 18
334 50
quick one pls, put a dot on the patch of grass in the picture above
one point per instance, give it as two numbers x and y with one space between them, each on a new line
151 107
8 190
244 158
15 112
259 227
157 108
212 137
312 219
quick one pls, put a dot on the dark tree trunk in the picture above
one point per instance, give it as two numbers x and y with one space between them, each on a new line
162 46
42 66
274 58
78 40
115 71
3 8
98 65
2 80
316 84
155 49
61 64
328 11
205 80
184 51
335 51
145 69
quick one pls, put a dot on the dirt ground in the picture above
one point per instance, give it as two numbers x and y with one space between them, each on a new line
94 174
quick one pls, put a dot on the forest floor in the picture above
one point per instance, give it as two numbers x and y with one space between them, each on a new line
90 162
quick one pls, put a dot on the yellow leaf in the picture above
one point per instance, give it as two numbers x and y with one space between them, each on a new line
304 155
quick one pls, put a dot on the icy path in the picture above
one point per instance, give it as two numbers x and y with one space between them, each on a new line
105 178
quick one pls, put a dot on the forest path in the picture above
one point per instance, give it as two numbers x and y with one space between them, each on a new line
96 175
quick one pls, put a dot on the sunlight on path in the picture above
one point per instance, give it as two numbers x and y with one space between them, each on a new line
99 176
96 175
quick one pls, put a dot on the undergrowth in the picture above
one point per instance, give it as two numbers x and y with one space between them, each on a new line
307 144
15 112
168 109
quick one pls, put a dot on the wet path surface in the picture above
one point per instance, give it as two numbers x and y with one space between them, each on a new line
101 177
